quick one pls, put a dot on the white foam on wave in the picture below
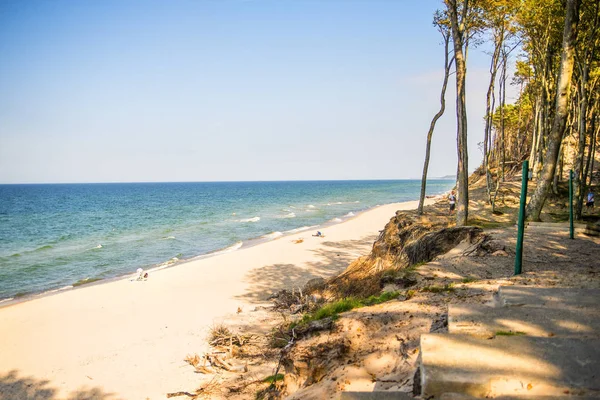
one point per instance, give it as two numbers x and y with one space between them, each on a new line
253 219
5 300
350 214
311 206
290 215
273 235
336 220
168 238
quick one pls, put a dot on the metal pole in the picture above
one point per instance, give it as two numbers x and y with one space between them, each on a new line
571 204
521 225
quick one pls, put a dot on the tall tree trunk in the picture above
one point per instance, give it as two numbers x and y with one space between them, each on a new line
563 88
447 65
595 130
537 135
458 31
579 181
502 109
489 114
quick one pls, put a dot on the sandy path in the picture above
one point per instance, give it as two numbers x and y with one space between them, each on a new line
127 339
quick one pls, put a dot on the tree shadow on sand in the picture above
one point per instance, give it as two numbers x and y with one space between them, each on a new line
13 387
333 257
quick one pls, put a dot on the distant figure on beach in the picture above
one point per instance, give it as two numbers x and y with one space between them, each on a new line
452 202
141 274
319 234
590 200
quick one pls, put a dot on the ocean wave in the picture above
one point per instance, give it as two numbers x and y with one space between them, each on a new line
253 219
311 206
350 214
163 265
229 249
46 247
168 238
97 247
272 235
336 220
290 215
86 281
56 290
302 228
7 299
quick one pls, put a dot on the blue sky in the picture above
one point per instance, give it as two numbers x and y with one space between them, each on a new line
127 91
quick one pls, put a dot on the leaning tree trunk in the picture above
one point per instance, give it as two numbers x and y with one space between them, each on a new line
534 208
458 34
447 65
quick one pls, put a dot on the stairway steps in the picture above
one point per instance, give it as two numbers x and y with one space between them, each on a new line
509 366
556 297
487 322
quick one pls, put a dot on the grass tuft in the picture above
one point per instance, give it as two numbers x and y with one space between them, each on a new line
273 378
509 333
332 310
469 279
449 287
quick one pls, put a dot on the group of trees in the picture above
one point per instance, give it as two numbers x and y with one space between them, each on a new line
555 120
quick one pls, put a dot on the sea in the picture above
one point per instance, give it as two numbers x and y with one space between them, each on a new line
58 236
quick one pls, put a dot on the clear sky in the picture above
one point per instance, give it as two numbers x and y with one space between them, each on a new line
127 91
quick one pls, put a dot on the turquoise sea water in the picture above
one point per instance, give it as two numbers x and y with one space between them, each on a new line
55 236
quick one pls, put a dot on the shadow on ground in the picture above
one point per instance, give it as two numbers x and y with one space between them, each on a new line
13 387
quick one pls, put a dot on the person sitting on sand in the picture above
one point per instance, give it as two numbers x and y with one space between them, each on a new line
319 234
142 276
590 200
452 202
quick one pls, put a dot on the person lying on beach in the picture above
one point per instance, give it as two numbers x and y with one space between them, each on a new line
319 234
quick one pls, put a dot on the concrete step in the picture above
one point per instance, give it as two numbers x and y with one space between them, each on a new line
561 225
509 366
556 297
375 396
460 396
487 322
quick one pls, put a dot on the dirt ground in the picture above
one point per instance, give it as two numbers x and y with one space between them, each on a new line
376 348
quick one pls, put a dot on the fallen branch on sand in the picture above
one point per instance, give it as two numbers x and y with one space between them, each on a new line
206 390
208 362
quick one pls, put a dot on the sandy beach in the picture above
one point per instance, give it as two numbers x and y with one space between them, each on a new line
127 339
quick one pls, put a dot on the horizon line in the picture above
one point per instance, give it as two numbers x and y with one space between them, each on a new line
226 181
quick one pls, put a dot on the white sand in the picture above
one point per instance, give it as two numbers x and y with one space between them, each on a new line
127 339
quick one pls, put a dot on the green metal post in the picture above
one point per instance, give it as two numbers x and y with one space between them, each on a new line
571 204
521 225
